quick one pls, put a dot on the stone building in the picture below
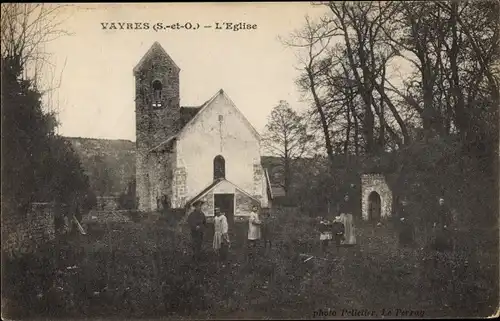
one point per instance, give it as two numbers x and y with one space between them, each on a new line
376 197
208 152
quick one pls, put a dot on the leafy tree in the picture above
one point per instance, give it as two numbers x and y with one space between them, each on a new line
37 164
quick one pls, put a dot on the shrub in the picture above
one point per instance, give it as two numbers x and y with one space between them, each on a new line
128 200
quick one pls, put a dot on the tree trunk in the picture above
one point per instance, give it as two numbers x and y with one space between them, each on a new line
382 114
348 129
319 108
461 117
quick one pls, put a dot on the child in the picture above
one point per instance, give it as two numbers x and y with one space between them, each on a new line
266 229
221 238
325 233
338 232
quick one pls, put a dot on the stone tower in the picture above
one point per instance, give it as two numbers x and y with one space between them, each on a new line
157 113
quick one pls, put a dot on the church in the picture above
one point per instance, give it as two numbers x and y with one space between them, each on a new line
209 152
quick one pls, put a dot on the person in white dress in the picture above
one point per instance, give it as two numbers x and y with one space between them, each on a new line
350 232
221 238
254 233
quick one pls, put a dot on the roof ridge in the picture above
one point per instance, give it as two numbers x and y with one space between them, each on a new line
157 45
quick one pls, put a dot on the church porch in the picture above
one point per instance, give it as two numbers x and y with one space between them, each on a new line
232 200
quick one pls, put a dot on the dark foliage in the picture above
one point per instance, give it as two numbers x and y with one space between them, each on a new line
128 200
37 164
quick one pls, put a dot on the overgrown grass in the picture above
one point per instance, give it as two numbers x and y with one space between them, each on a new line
145 269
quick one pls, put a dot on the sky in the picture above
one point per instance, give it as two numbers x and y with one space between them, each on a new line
93 67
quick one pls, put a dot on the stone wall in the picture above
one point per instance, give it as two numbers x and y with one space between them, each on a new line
179 188
102 217
160 177
376 183
244 204
208 206
25 233
154 125
107 203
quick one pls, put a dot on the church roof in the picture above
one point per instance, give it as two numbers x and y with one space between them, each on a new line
156 47
189 114
204 191
207 105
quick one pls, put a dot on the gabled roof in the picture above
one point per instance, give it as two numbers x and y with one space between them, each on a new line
187 113
207 105
190 114
212 186
155 47
163 143
204 191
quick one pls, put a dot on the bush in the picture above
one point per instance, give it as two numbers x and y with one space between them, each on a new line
28 281
128 200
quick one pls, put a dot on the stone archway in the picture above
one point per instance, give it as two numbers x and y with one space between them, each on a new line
376 197
374 207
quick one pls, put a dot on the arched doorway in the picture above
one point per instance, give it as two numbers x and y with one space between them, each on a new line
374 207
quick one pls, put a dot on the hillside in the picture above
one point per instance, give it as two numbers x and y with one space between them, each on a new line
109 163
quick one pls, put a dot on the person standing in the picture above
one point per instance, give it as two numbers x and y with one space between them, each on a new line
338 232
221 237
266 229
406 229
442 226
165 204
197 223
350 231
325 233
346 206
254 230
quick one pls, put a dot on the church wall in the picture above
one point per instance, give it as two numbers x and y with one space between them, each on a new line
207 137
243 204
161 177
142 180
218 130
263 185
153 126
179 187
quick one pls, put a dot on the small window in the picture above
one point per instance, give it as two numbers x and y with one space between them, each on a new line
219 167
221 118
157 94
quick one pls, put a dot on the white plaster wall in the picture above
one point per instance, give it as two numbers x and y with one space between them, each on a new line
224 187
265 200
199 143
376 183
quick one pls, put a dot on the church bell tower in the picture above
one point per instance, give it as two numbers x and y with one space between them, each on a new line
157 112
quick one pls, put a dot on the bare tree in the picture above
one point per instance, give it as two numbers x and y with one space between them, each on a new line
314 40
287 137
26 28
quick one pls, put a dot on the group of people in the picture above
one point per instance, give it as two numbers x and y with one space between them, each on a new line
441 226
258 230
341 230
